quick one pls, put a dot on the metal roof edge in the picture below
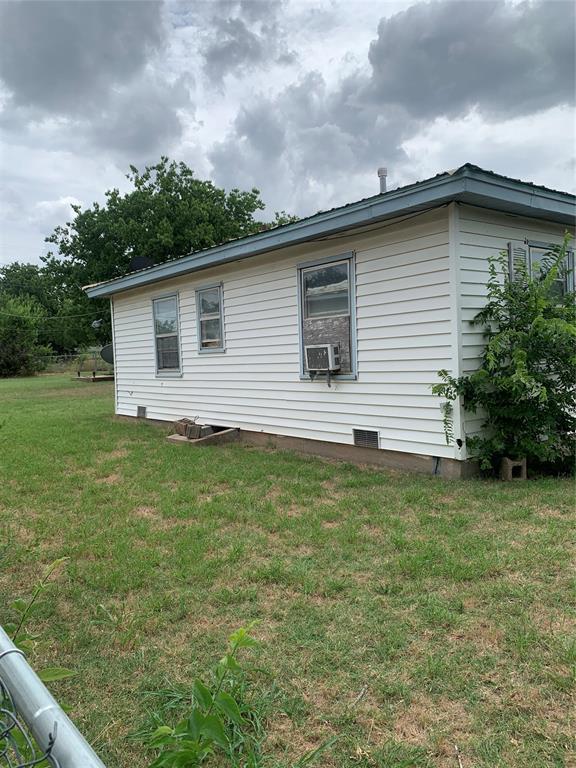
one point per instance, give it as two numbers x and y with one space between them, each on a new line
467 184
518 197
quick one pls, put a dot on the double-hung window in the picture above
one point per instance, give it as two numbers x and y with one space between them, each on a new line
166 334
327 309
210 319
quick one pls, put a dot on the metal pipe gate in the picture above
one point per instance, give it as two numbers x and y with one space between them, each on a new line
53 731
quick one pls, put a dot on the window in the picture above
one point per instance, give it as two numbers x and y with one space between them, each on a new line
327 310
326 290
531 257
538 256
166 334
210 321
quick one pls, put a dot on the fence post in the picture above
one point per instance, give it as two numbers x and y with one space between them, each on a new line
41 712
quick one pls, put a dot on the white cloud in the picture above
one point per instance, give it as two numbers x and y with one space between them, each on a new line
514 148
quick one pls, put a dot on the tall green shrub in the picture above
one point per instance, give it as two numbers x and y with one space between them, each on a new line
525 386
20 321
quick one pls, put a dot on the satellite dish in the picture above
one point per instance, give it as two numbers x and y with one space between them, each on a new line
107 354
140 262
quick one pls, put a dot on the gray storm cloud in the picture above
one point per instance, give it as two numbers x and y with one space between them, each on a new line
141 120
244 37
446 58
66 57
286 96
89 64
432 60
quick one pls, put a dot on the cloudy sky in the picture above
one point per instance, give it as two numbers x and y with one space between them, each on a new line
303 99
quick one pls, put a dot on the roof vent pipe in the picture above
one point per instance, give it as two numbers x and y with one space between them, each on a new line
382 173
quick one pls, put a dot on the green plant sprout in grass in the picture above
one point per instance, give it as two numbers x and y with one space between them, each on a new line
524 386
13 739
22 637
217 723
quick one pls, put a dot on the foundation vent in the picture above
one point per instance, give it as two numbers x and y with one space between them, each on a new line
366 438
141 411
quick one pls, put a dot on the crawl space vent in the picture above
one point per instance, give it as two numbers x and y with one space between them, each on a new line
141 411
366 438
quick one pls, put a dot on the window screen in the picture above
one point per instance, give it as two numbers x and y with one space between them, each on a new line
166 334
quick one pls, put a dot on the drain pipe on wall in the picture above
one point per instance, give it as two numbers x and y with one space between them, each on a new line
41 713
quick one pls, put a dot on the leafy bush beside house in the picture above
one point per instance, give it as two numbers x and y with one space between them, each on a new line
21 353
525 386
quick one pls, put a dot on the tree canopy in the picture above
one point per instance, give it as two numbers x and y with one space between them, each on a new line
167 213
21 351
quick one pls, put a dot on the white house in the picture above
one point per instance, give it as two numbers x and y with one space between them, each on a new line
389 283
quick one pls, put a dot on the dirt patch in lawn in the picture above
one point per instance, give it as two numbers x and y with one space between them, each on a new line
148 513
112 479
289 739
218 490
483 634
159 522
442 718
294 511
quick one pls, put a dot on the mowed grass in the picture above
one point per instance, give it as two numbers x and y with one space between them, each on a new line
403 614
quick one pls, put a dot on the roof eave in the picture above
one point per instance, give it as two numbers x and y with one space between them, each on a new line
468 186
371 211
518 198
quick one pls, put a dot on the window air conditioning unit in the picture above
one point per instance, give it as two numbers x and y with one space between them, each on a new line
322 358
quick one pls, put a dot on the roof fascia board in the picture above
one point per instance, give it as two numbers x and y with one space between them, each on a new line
468 186
520 198
367 212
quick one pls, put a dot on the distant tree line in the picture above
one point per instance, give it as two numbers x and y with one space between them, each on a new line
168 213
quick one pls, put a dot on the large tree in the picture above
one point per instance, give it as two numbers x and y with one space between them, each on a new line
167 213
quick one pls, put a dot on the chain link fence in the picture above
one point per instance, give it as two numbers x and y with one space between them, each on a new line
17 746
34 729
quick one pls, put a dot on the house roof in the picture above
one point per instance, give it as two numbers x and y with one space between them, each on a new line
467 184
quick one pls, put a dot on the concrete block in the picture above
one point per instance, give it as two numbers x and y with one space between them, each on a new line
511 469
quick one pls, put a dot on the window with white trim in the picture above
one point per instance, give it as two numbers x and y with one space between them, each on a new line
210 319
326 310
166 334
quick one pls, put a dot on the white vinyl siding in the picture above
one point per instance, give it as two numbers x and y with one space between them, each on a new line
404 335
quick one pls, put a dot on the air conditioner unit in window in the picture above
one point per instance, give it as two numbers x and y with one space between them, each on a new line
322 358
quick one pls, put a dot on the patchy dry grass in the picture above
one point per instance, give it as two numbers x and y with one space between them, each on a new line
403 614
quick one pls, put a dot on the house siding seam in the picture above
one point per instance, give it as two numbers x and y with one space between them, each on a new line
460 452
484 233
114 347
404 335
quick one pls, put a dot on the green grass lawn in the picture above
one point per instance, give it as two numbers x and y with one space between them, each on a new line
404 614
